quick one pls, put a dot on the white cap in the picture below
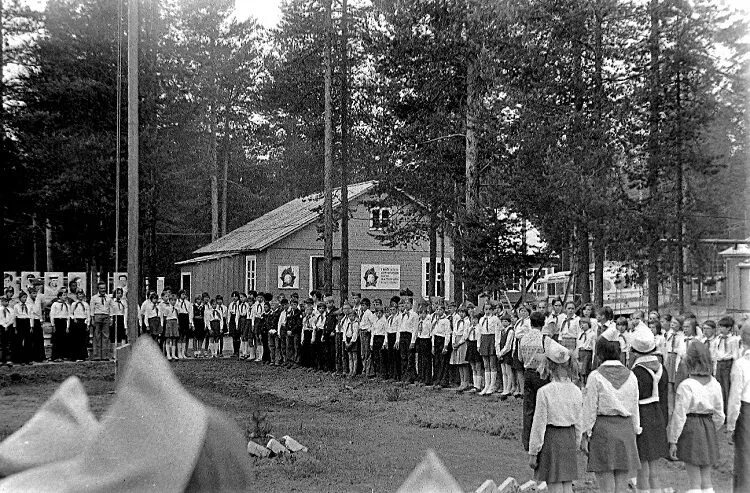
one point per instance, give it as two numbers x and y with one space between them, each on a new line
643 341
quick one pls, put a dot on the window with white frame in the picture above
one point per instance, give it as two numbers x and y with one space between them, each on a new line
250 273
442 278
185 282
380 217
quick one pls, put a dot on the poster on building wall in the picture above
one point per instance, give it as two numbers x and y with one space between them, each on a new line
380 276
31 279
9 281
76 282
288 277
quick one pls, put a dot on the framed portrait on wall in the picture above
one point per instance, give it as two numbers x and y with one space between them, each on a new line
288 277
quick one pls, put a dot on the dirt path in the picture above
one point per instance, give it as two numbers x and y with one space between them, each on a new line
358 439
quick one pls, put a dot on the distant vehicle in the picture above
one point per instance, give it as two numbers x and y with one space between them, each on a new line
622 290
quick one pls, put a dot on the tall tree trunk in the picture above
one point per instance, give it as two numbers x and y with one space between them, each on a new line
213 165
582 262
225 180
455 233
34 242
472 167
4 264
599 254
328 159
600 228
654 83
48 245
432 270
680 204
344 263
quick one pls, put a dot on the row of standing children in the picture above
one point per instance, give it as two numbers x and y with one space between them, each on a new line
76 323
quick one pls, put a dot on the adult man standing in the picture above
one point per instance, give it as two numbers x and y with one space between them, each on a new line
738 417
101 312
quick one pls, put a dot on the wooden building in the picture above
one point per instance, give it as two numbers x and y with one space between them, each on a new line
737 268
282 252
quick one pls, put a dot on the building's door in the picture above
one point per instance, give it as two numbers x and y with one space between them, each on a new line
318 264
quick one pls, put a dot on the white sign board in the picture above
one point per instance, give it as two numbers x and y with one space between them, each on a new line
374 276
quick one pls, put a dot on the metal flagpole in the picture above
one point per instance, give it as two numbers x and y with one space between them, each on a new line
118 150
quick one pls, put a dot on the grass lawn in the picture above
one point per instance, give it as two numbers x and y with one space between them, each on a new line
359 440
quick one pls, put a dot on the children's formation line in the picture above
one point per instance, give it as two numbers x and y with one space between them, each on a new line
587 381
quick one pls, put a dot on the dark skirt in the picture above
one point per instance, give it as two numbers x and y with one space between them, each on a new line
557 461
215 328
487 345
199 328
507 358
183 322
742 449
516 362
698 444
154 325
652 442
472 355
612 446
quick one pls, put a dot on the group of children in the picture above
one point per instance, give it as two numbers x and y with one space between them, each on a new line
613 404
587 380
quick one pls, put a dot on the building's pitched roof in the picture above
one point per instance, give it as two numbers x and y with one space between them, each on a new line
738 250
277 224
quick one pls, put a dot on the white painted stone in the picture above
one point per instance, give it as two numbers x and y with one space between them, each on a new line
276 447
528 486
488 486
257 450
292 444
510 485
542 486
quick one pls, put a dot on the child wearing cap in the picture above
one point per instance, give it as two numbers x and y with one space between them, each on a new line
698 413
652 407
556 429
611 418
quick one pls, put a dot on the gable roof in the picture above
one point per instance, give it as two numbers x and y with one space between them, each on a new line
279 223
